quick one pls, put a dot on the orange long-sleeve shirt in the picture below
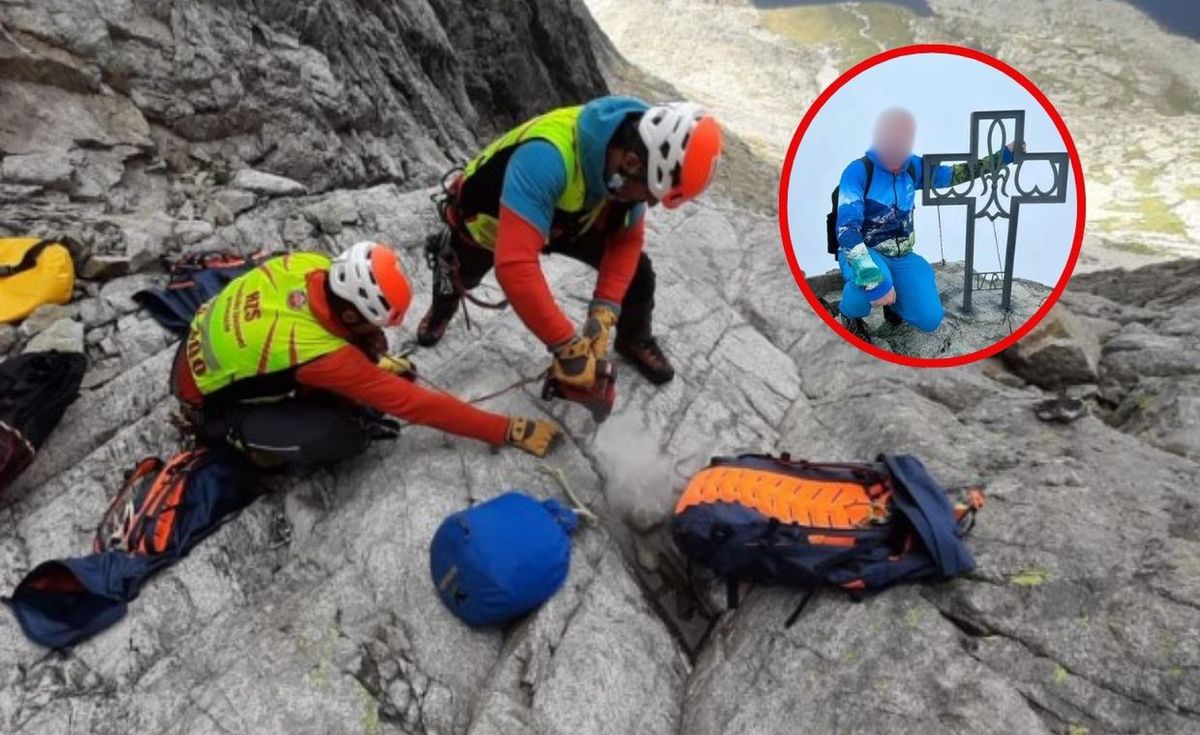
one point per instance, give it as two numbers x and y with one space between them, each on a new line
518 249
349 372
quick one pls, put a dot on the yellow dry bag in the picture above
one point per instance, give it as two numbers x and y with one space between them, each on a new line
33 272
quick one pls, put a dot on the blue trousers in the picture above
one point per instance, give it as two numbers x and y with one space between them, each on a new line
917 299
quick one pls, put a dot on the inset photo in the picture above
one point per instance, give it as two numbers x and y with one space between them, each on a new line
932 205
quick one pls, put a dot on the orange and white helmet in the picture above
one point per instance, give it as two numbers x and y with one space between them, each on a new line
684 146
369 275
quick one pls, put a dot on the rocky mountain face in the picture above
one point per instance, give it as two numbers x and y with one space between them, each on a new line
113 106
960 333
313 611
1123 84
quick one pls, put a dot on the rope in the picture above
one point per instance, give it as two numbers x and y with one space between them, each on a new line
941 245
487 397
1008 316
561 477
444 201
996 239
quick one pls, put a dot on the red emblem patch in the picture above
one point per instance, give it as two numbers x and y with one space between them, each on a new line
297 299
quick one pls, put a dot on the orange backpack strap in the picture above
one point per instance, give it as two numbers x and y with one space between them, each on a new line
161 504
113 530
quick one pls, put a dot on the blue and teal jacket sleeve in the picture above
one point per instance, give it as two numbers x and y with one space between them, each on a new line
533 182
851 206
850 216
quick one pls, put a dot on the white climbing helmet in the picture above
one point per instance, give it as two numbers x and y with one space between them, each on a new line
684 146
369 275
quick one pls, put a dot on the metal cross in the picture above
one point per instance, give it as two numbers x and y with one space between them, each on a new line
994 181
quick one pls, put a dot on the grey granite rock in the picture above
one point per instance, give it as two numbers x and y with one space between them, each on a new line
959 333
118 293
50 169
1058 353
8 337
267 184
44 316
236 200
64 335
1081 616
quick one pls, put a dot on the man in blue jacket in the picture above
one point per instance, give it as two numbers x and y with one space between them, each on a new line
875 229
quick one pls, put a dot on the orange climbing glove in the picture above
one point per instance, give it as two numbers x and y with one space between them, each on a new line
575 364
535 436
398 365
601 319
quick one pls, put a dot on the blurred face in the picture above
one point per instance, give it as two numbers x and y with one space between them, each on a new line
355 322
632 171
894 134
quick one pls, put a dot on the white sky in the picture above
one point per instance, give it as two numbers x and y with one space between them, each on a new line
941 90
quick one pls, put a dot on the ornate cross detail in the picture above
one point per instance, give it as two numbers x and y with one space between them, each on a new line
988 194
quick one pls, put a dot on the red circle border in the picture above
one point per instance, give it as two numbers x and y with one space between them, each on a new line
785 180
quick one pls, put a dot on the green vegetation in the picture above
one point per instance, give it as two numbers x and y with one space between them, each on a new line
370 724
1179 98
1143 180
1151 214
913 617
1137 248
1031 577
1158 217
843 28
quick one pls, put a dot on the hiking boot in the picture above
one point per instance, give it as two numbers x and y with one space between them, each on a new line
433 325
891 317
648 358
857 327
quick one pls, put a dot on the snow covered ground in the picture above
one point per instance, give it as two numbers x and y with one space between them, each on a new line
1128 90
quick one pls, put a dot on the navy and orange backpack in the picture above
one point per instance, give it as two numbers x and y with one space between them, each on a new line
861 527
160 513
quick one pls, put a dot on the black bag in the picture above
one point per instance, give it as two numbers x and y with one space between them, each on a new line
831 241
35 390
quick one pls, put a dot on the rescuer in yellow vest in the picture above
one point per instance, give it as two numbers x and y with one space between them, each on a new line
288 360
575 181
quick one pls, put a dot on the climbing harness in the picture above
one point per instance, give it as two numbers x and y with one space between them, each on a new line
439 249
443 261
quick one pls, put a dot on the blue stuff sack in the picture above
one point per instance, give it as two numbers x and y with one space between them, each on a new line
503 558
